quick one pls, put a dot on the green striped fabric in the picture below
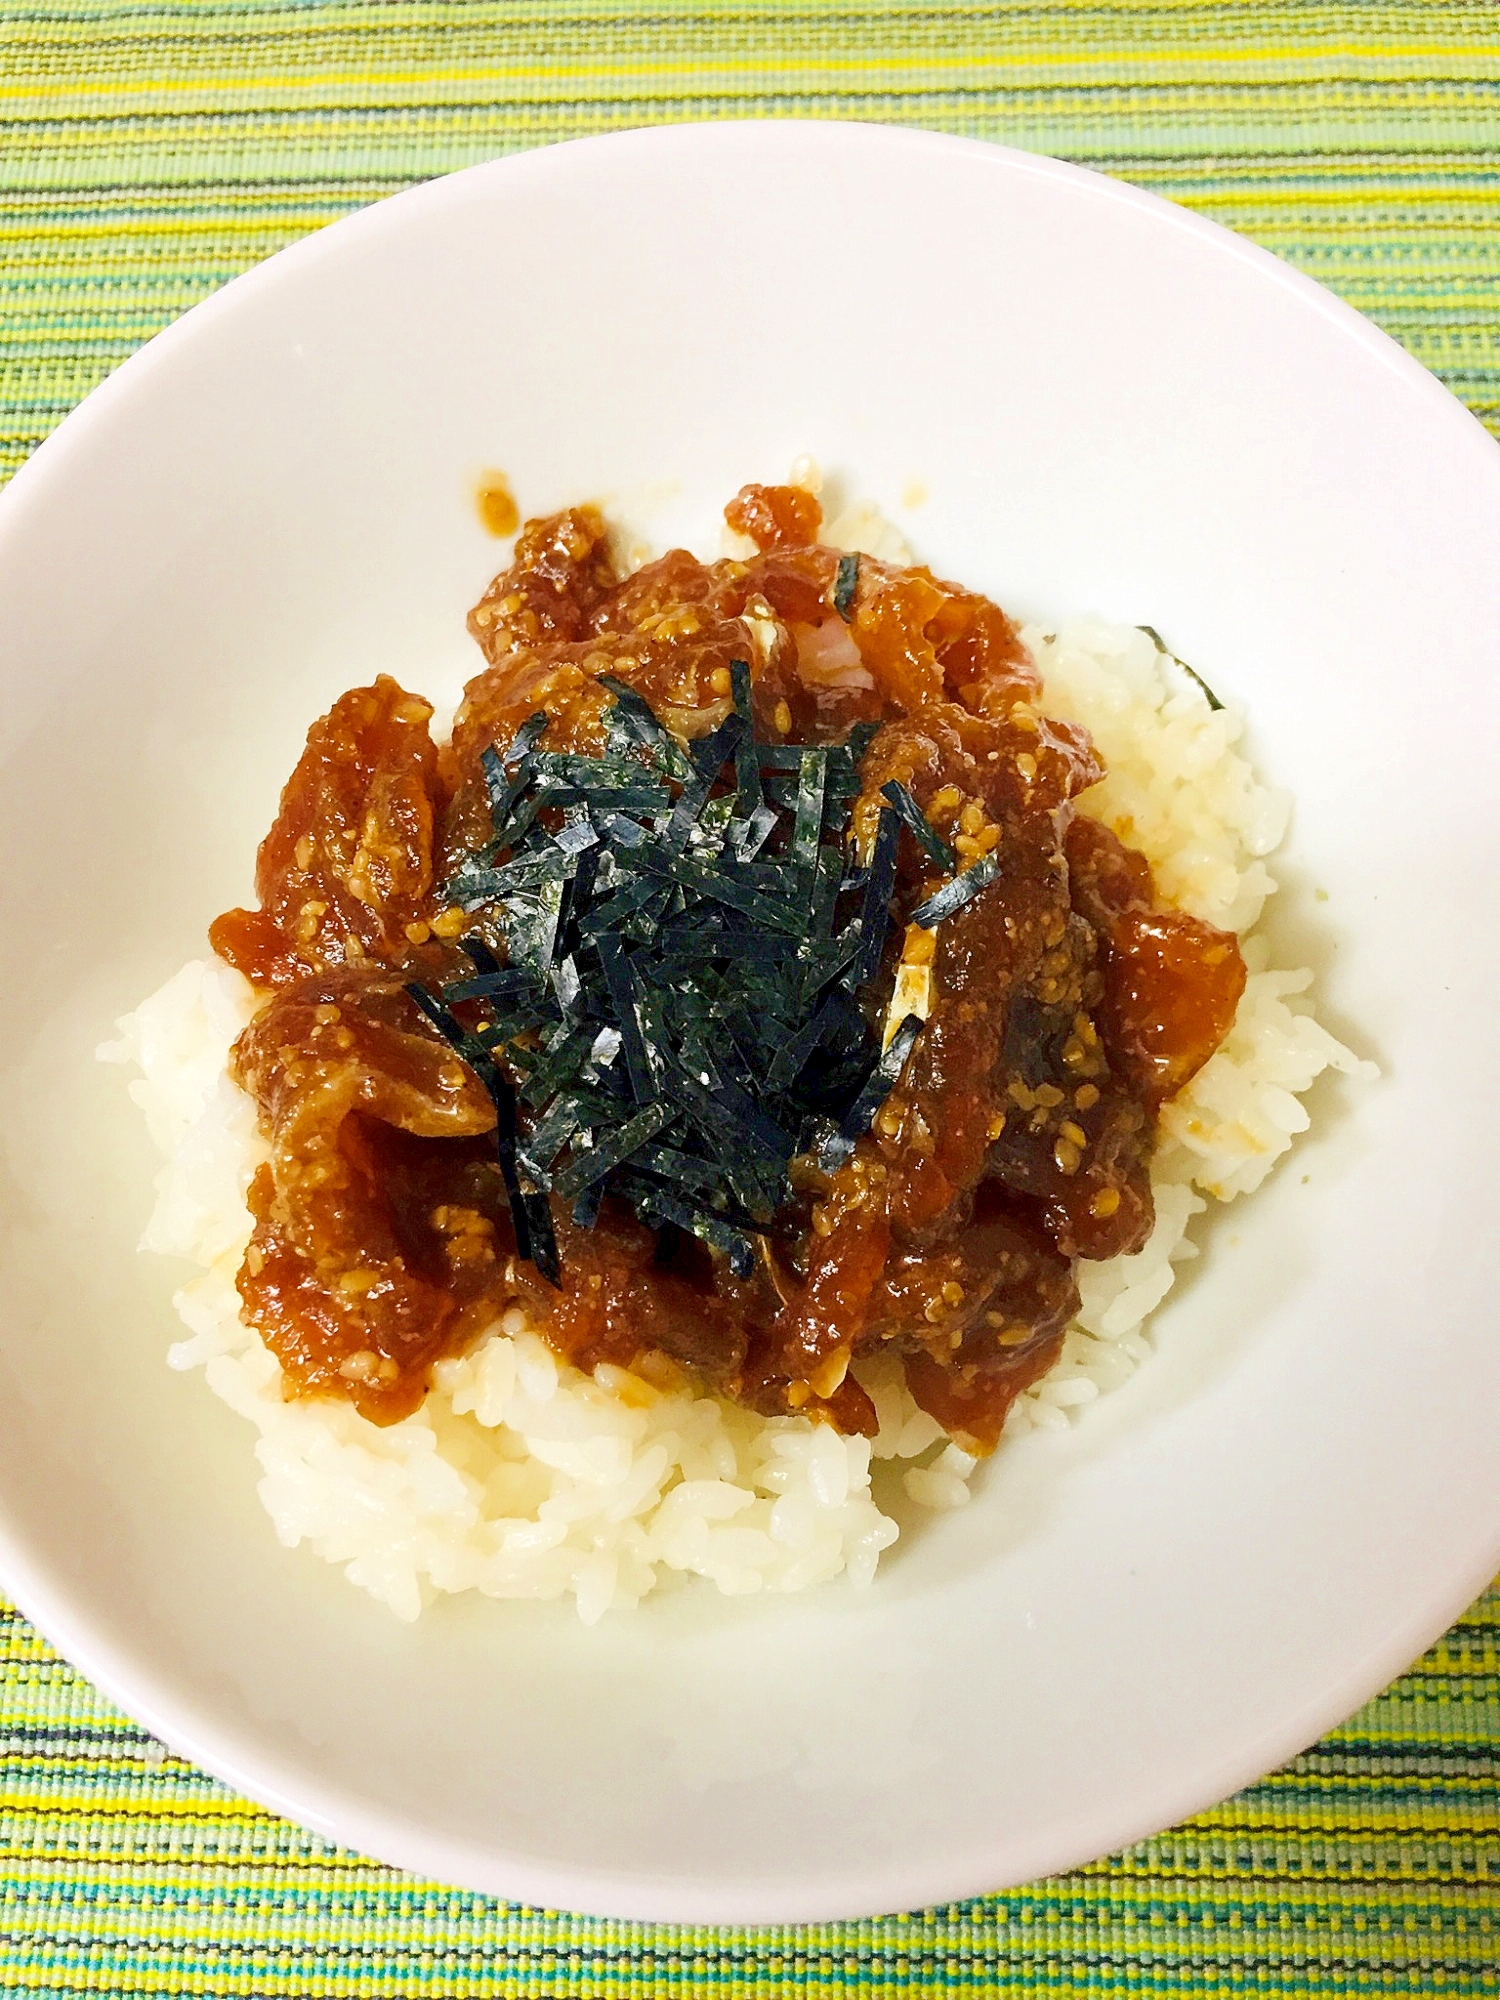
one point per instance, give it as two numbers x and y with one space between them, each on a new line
147 153
1370 1866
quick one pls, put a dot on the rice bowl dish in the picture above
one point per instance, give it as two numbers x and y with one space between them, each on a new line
523 1476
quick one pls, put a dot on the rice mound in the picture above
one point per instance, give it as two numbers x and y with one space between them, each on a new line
522 1477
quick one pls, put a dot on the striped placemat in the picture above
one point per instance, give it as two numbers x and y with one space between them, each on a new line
147 153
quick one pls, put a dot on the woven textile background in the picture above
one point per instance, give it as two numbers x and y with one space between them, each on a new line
148 152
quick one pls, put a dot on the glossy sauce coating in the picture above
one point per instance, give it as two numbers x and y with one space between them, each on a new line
1062 1004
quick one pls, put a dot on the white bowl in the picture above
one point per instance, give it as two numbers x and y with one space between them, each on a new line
1114 406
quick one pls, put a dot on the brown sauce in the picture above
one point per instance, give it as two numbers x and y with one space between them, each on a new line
1065 1006
497 505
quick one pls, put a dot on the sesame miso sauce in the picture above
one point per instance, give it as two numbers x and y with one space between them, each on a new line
740 991
496 505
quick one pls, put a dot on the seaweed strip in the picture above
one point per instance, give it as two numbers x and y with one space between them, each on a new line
756 830
1192 673
530 1243
622 991
735 1244
486 986
845 584
684 1169
953 895
712 752
503 791
856 1120
586 1208
548 1138
735 892
534 926
623 903
932 844
746 762
541 1238
776 949
794 1053
639 724
710 758
576 835
626 833
812 787
594 1162
452 1030
567 984
561 1062
875 910
479 954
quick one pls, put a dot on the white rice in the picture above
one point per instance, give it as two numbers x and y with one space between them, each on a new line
521 1477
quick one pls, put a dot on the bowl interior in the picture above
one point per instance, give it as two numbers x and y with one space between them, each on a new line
1109 406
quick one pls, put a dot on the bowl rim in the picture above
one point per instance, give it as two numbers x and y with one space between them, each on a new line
47 1601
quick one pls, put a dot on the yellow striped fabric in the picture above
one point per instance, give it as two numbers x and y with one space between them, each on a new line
148 152
1367 1867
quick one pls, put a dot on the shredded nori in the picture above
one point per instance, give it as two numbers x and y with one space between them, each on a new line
845 584
955 893
690 947
1192 673
932 844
